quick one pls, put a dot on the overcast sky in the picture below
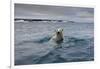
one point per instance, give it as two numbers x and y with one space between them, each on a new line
54 12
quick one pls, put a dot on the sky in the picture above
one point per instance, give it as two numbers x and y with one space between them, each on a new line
31 11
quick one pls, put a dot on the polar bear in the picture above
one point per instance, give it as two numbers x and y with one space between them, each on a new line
58 36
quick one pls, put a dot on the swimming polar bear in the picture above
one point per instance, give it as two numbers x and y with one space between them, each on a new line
58 36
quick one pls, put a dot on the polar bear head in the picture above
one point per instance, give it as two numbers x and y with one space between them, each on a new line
58 36
59 31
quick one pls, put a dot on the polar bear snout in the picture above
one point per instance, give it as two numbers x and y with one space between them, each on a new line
58 32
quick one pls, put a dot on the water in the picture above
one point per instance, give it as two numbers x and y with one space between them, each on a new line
33 45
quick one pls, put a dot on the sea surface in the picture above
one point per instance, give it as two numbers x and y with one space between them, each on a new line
33 46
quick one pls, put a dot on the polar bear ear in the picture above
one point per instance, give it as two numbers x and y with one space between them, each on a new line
62 29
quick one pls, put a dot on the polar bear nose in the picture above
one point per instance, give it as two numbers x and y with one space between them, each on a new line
58 32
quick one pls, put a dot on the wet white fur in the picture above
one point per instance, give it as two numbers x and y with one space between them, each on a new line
58 37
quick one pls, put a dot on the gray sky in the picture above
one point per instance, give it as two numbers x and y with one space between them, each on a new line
80 14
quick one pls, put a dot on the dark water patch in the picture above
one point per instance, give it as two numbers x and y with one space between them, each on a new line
78 54
42 40
24 41
78 42
39 40
28 60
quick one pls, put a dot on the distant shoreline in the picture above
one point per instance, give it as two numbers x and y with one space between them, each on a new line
30 20
37 19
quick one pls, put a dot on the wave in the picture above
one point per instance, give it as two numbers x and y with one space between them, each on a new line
45 39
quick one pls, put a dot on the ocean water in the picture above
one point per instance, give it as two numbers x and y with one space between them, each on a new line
33 45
